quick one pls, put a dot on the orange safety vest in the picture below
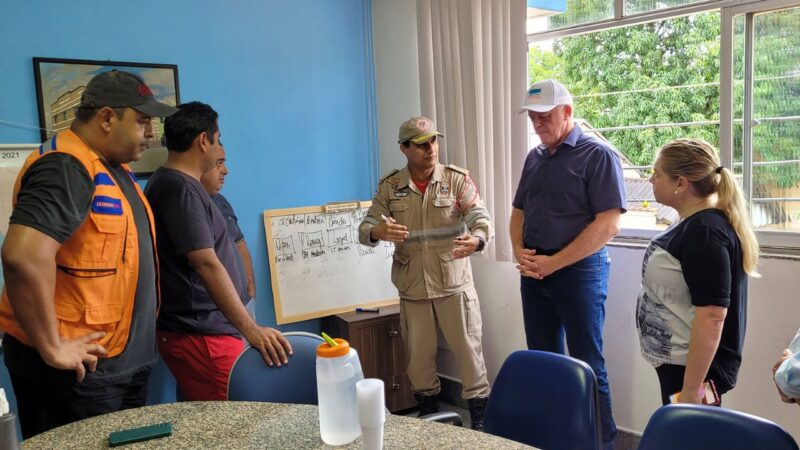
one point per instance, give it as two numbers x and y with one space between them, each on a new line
98 266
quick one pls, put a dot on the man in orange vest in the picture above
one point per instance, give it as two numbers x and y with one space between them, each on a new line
81 288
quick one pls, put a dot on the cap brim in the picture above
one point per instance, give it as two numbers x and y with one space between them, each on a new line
156 109
536 108
425 137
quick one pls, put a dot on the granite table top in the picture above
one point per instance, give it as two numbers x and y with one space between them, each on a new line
245 425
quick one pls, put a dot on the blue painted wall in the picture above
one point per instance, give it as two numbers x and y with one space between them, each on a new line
292 81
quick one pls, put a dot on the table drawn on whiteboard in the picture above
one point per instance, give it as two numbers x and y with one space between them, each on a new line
340 236
317 264
284 249
339 220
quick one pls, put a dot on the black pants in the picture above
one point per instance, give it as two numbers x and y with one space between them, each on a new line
670 377
48 398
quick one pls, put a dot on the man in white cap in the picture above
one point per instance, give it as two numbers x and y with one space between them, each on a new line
436 219
568 205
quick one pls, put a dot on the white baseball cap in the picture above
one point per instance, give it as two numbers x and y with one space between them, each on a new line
546 95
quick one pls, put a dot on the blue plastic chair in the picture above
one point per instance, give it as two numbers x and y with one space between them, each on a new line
546 400
252 380
690 427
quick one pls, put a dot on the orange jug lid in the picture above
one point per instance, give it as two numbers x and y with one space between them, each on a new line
324 350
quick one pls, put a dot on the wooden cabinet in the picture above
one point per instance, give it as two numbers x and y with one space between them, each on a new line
376 337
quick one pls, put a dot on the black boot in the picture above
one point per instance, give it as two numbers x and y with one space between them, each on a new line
428 404
477 406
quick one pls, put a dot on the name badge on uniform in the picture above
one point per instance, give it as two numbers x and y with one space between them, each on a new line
401 193
444 189
102 204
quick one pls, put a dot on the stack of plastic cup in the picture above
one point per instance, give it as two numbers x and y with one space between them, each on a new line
371 412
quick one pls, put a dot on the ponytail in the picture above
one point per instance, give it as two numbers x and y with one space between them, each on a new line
698 162
731 201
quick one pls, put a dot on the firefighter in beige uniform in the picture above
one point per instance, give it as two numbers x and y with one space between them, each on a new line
436 219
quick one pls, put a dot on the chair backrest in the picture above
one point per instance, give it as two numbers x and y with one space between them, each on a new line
545 400
252 380
689 427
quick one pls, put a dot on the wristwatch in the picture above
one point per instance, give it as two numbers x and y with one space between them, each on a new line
481 243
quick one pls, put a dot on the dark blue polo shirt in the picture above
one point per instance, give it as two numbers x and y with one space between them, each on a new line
234 232
186 220
560 194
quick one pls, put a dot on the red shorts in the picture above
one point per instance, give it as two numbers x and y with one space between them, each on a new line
200 363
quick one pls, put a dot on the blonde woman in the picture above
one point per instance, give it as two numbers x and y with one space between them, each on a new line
692 308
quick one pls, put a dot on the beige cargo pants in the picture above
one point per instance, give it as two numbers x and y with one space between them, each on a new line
459 317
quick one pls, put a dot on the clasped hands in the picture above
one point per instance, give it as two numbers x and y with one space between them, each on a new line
534 266
390 230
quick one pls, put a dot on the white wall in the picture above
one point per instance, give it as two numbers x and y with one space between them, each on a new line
394 34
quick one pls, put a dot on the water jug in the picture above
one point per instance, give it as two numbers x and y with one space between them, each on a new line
338 371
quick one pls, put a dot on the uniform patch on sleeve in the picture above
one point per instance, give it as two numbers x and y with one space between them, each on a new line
102 204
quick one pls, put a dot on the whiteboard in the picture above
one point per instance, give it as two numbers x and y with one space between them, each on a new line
317 266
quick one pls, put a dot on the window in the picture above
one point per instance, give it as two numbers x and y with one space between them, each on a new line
767 152
639 87
661 76
640 6
576 12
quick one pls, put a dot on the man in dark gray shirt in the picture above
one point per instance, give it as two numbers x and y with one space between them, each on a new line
202 317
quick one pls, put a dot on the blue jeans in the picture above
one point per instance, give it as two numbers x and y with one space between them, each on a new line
572 301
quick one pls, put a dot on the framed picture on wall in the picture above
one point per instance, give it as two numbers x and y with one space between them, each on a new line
60 83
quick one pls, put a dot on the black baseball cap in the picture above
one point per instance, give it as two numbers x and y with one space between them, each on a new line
119 89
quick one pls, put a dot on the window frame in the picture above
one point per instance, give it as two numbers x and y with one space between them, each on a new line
788 241
767 238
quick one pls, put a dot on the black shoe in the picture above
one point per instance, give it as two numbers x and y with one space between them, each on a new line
428 404
477 406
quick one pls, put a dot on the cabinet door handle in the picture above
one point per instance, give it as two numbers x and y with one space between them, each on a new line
393 333
395 387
